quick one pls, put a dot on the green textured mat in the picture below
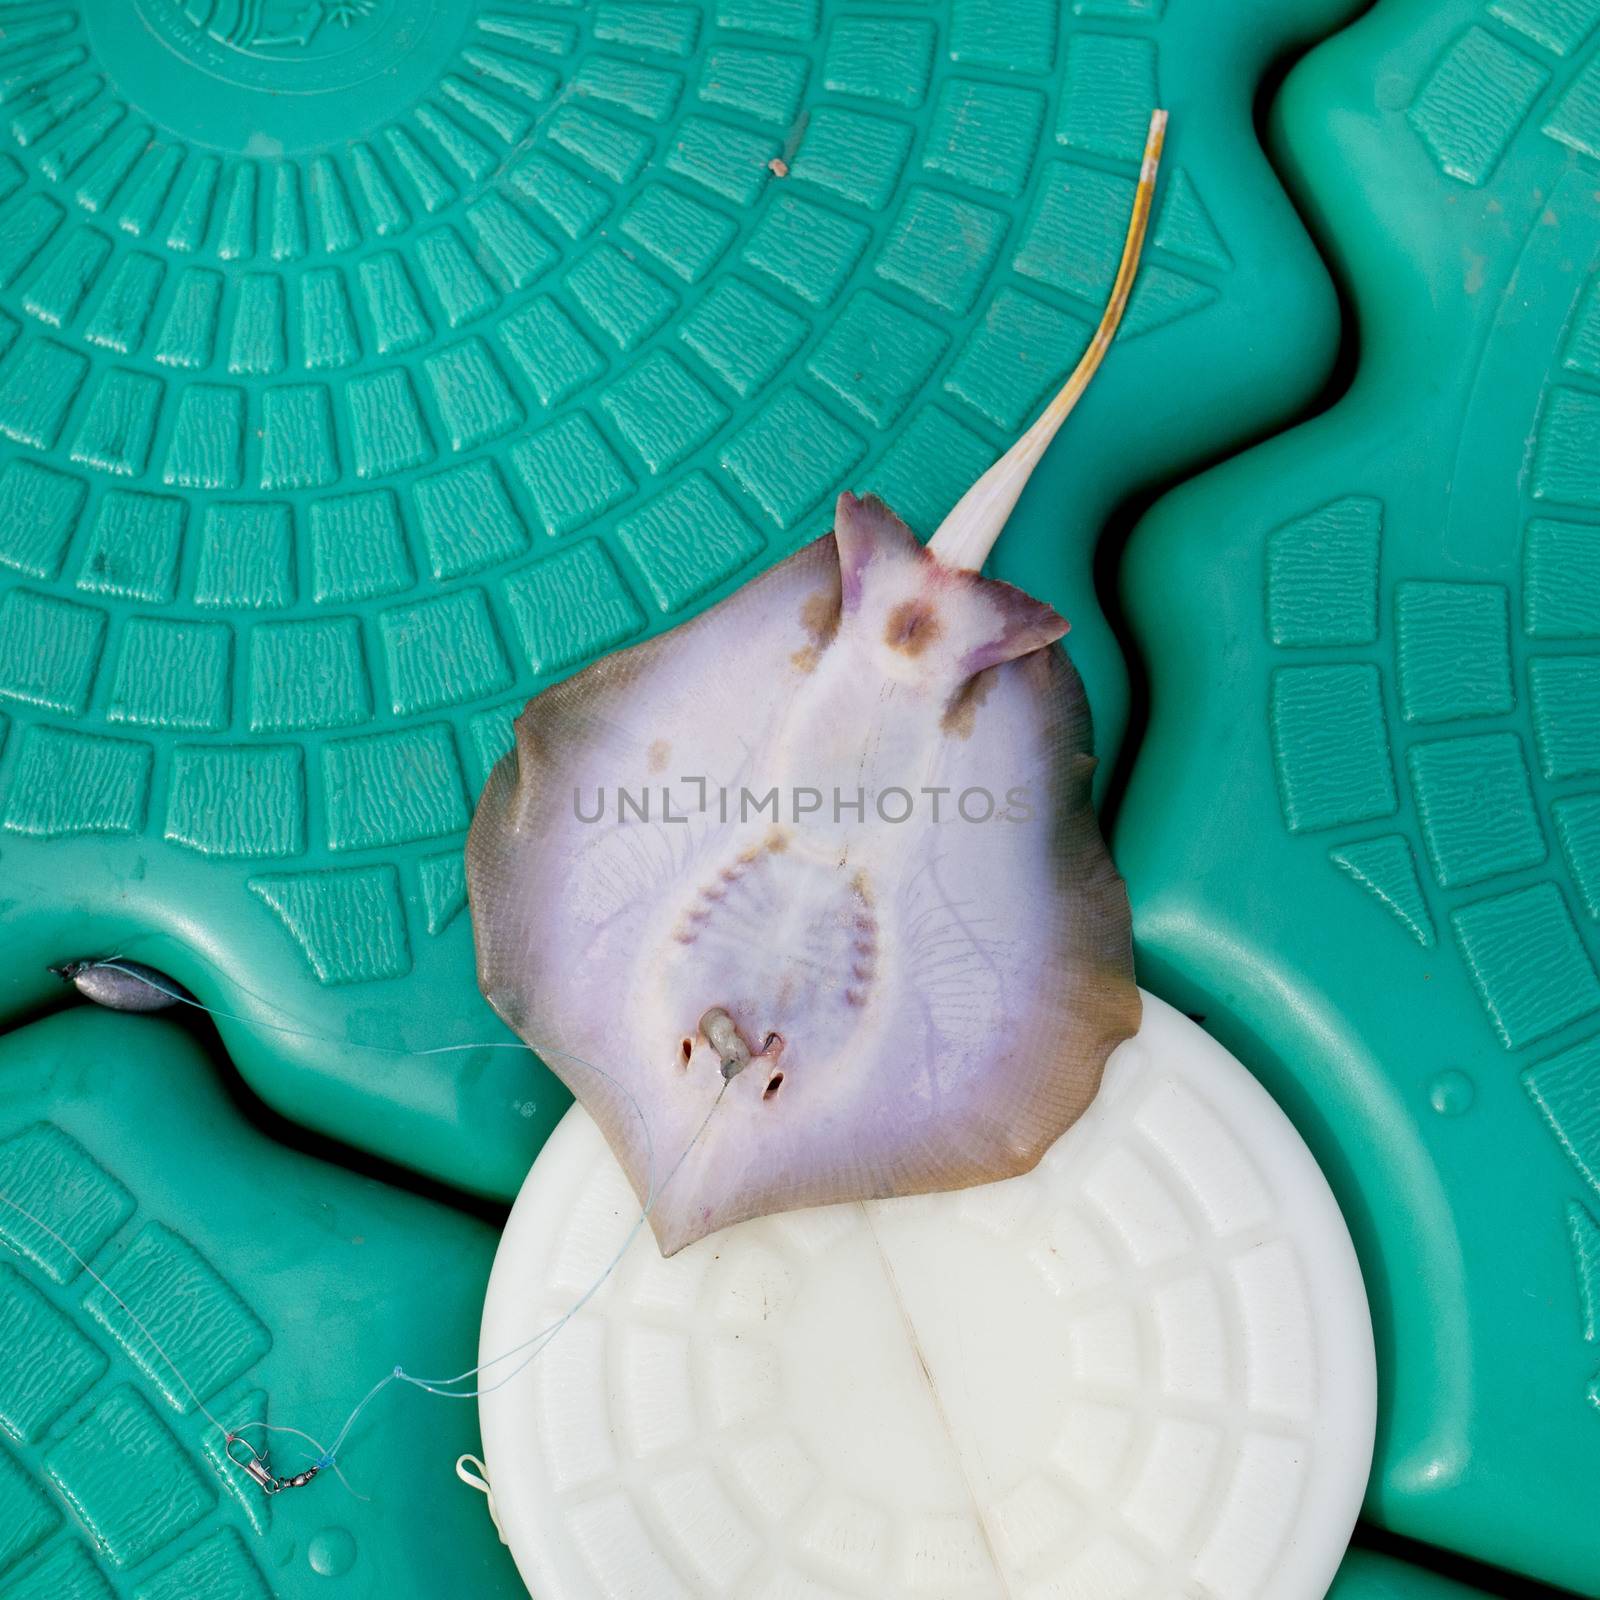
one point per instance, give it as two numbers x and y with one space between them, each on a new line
262 1273
1364 834
367 363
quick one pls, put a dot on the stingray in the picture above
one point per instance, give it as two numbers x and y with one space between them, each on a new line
815 877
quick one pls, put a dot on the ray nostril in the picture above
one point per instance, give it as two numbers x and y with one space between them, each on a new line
686 1050
774 1084
772 1044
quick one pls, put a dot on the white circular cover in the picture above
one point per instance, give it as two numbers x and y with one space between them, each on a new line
1143 1371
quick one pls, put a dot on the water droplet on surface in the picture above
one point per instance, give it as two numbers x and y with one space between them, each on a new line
1451 1093
332 1552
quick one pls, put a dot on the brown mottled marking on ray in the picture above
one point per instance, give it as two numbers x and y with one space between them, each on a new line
913 625
777 841
658 755
961 715
819 616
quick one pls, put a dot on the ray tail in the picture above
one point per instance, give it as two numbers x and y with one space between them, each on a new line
968 534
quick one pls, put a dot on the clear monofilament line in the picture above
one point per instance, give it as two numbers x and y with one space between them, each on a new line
536 1343
439 1385
117 964
127 1310
445 1388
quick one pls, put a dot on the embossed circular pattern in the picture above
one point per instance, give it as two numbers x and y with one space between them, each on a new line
1143 1369
323 43
260 412
337 417
259 78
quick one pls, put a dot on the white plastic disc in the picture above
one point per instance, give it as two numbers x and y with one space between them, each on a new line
1143 1371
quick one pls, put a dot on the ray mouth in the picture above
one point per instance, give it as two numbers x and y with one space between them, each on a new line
774 948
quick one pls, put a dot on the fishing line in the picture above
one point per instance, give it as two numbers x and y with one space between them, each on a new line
255 1464
50 1233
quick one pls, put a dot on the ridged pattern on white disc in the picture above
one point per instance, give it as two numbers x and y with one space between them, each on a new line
1143 1371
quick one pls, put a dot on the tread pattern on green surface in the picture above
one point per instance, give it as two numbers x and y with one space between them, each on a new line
1364 834
365 365
279 1286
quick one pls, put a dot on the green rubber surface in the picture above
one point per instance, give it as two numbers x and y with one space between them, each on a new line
368 364
1365 1576
282 1288
1363 836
